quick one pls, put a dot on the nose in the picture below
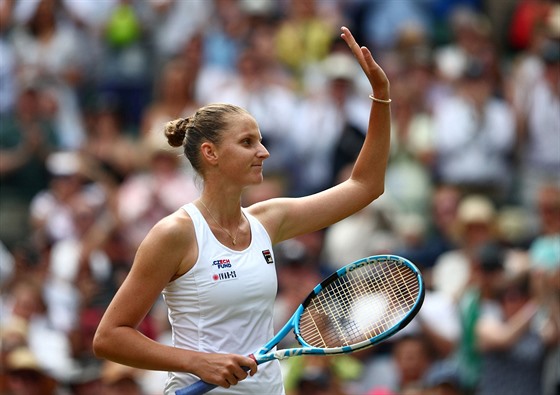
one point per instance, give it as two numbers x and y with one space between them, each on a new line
263 152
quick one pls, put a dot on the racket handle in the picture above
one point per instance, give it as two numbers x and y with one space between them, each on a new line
202 387
198 388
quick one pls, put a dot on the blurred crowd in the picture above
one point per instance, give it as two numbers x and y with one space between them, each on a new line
472 192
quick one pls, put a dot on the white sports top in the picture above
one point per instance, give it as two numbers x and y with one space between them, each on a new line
225 304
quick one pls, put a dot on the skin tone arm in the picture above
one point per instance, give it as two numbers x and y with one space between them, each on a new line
496 335
285 218
168 245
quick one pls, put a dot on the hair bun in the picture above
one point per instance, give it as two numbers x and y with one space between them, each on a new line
176 131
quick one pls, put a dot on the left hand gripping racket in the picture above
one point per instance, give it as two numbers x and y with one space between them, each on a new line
359 305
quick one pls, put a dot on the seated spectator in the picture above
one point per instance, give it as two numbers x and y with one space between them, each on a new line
27 376
403 368
120 379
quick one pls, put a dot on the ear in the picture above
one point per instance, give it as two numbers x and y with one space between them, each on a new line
209 153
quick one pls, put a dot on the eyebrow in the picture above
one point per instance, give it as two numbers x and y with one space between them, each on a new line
251 135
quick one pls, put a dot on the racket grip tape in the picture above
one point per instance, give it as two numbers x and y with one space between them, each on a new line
202 387
198 388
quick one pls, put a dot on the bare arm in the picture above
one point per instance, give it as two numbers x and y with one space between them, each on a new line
161 256
286 218
496 335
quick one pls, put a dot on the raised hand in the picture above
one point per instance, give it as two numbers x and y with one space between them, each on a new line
375 74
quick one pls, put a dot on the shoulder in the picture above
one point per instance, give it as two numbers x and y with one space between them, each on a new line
170 239
173 229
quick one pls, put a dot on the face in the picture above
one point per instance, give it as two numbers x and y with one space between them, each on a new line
241 153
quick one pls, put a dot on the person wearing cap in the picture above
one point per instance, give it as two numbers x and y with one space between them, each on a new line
475 225
27 376
120 379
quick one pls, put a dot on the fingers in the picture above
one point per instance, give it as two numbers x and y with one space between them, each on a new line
251 365
350 41
226 370
372 70
362 54
241 368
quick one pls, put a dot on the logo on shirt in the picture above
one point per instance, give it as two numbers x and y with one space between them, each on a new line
231 275
222 270
267 256
222 263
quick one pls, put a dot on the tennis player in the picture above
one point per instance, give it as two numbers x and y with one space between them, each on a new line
212 259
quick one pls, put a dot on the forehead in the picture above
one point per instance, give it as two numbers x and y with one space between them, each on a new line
243 123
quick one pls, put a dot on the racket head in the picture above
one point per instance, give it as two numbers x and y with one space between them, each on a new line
359 305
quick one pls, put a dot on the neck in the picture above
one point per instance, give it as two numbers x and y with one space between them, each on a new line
230 225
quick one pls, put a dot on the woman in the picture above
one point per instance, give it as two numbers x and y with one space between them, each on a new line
212 258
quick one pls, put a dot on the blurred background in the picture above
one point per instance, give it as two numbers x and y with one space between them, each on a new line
472 190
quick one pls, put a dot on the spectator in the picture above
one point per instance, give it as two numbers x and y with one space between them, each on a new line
303 37
174 98
325 120
512 346
120 379
443 379
540 127
125 71
50 209
175 23
486 276
475 135
271 103
48 51
108 150
27 377
475 226
8 64
386 20
225 35
27 137
80 270
321 375
544 253
404 368
427 237
152 193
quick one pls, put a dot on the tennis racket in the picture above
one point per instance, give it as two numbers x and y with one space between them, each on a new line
359 305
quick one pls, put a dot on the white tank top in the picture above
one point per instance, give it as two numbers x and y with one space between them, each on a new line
225 304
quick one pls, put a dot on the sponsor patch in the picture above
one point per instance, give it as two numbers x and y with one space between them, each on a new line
222 270
267 256
224 276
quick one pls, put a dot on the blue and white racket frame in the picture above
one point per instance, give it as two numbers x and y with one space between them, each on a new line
264 354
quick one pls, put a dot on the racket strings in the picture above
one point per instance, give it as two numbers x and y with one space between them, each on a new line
364 303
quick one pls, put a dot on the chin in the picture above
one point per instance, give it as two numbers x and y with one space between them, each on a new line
255 180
